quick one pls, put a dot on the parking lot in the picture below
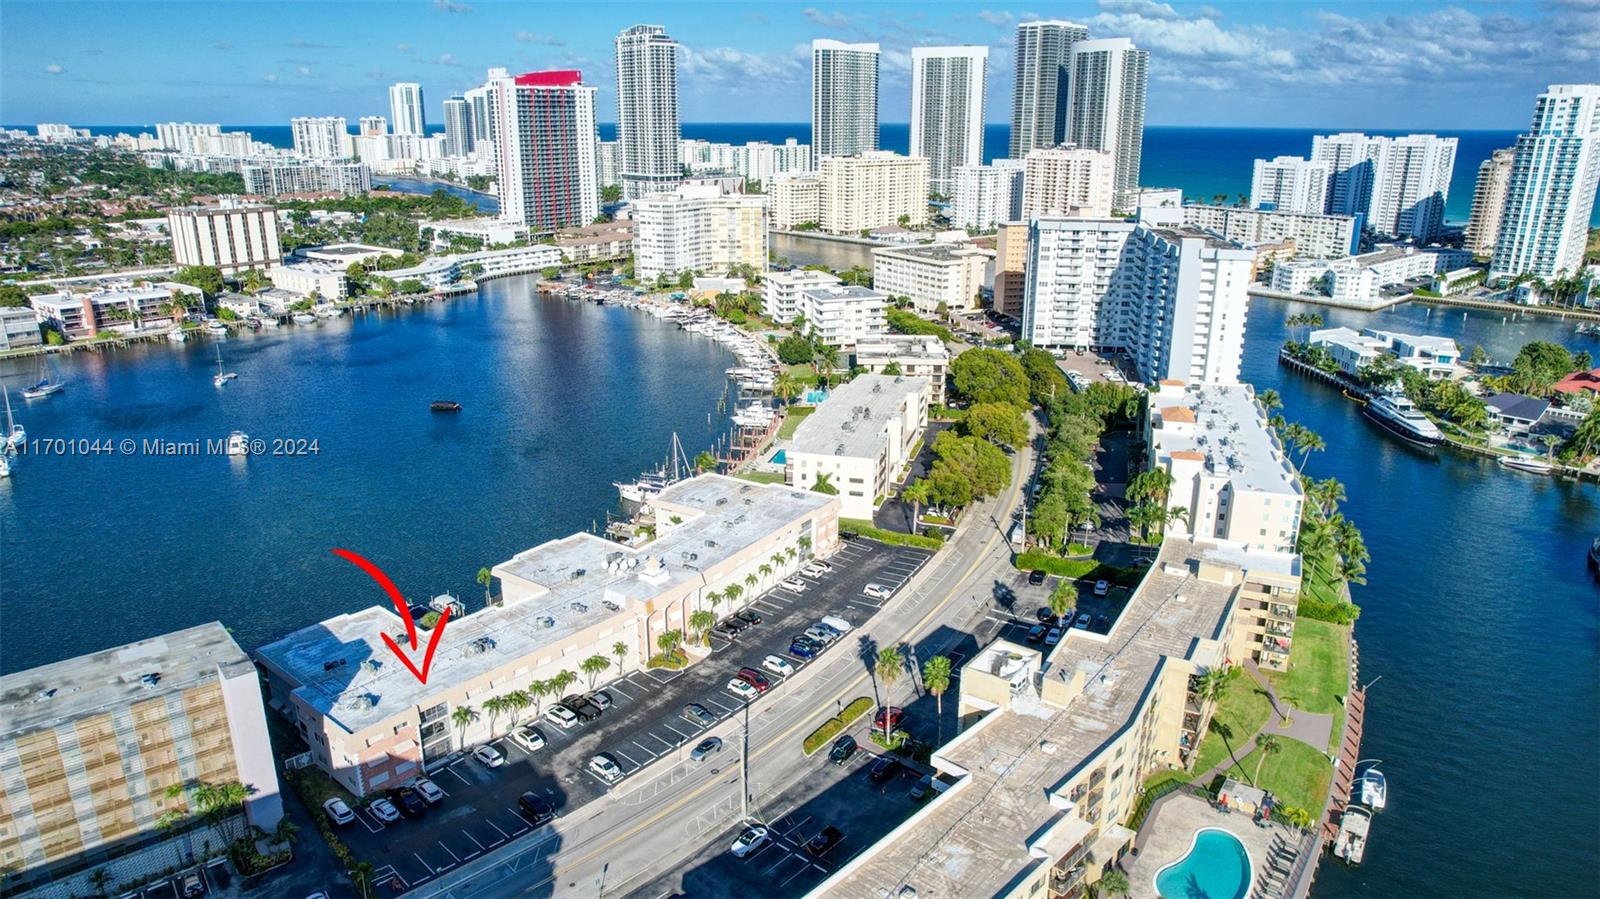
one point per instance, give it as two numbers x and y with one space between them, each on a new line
1016 604
214 877
645 722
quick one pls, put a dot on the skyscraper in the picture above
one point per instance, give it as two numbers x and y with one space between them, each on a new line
1551 191
1105 105
1289 184
1039 94
1399 183
947 104
546 149
844 98
481 99
320 137
647 110
1489 202
374 126
457 127
405 109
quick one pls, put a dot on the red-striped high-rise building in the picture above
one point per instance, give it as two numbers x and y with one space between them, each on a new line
547 145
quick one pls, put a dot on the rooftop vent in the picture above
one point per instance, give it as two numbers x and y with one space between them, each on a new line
334 663
373 664
480 646
611 606
150 680
546 621
579 606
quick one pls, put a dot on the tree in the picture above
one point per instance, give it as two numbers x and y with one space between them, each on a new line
936 677
887 667
705 461
1585 439
537 691
1266 744
893 368
733 592
715 598
824 484
700 623
495 706
485 576
562 680
206 277
100 879
12 296
1308 442
1113 882
463 716
594 666
517 701
989 376
998 423
361 873
787 387
1270 400
1064 598
620 650
917 494
669 641
611 193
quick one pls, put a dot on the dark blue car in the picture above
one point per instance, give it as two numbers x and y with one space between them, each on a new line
803 648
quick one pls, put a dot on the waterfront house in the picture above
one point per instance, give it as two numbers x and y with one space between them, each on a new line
1353 350
1516 414
1580 383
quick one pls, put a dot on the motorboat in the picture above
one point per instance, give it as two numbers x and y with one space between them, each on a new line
1525 463
1350 845
238 444
5 467
445 406
1397 414
302 318
1372 789
216 327
176 335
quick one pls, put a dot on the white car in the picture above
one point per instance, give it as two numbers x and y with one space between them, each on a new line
561 717
605 767
821 635
1102 587
743 690
528 738
815 569
877 591
489 755
777 666
795 584
753 837
384 811
431 794
338 811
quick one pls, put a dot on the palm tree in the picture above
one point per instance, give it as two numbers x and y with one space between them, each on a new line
890 663
100 879
936 677
563 680
537 691
1268 744
484 577
593 666
765 571
1270 400
733 592
494 705
700 623
787 387
750 580
1308 442
463 716
620 650
518 701
824 484
669 641
777 560
1112 883
1063 598
805 545
362 873
917 493
715 598
790 553
1550 443
286 831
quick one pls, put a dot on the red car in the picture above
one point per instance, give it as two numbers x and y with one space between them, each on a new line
755 679
892 713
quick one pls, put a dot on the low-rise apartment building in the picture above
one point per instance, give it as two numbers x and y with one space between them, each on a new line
90 745
1435 357
372 725
781 291
19 327
860 439
442 271
347 178
841 316
599 242
232 236
911 355
325 279
121 307
938 274
1325 236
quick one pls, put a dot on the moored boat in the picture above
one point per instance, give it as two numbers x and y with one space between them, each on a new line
301 318
1399 416
49 381
1372 788
1350 845
238 444
1525 463
1594 554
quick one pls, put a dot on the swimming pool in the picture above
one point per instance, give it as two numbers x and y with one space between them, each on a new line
1216 867
779 457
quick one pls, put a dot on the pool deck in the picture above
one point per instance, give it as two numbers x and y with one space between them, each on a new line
1170 834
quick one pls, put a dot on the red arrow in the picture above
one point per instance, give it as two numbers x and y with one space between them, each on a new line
388 586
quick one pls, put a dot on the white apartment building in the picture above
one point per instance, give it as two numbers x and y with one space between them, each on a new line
796 199
1359 280
1156 197
1401 184
938 274
458 131
1229 471
780 296
610 164
19 327
1322 236
947 109
987 195
406 115
1106 94
860 438
326 280
321 137
1551 191
373 126
844 98
752 161
842 316
648 130
1072 292
912 355
272 180
1307 277
231 236
54 132
1290 184
1434 356
547 149
187 137
872 190
441 271
1068 180
698 228
1489 202
1043 54
118 307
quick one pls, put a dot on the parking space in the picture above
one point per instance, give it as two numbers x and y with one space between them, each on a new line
649 718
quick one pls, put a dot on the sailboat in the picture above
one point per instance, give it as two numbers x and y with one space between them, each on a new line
49 381
5 467
651 483
15 434
222 377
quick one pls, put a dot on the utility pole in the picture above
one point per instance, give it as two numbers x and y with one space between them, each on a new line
744 765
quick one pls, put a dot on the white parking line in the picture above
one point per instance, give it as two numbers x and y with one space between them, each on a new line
369 824
447 849
497 829
616 687
425 866
802 870
664 741
630 759
646 750
473 839
452 770
680 733
719 705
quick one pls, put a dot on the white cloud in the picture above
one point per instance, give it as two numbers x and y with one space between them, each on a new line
447 59
528 37
270 79
451 7
825 19
303 71
403 48
55 68
739 71
997 18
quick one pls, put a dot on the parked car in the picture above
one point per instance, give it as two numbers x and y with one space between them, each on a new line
408 801
804 648
1036 578
1101 623
1053 637
585 710
812 570
777 665
795 584
1102 587
1082 623
538 809
753 837
528 737
695 713
748 617
818 563
193 885
821 635
338 811
384 811
877 591
489 755
1046 616
429 791
888 716
726 630
708 747
561 716
1036 633
822 842
841 625
743 690
885 769
605 767
843 749
600 699
755 679
923 787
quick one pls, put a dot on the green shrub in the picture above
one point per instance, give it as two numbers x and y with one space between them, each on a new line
863 528
429 620
1340 612
1081 569
671 661
824 735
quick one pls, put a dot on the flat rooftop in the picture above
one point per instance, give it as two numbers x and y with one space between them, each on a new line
923 346
586 580
974 841
850 422
1229 431
50 695
346 249
1195 232
938 252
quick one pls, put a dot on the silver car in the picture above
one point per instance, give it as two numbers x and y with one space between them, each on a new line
708 747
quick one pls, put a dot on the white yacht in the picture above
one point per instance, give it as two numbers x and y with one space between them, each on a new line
1401 417
304 318
222 377
1528 464
650 483
238 444
216 327
1372 789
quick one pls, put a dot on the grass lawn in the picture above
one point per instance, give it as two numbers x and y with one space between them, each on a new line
1241 711
1319 671
792 418
762 477
1298 774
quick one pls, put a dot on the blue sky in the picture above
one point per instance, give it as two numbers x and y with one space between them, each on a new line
1293 64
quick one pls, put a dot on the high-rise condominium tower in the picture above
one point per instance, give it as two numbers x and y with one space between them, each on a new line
546 144
1551 192
1289 184
1039 94
1399 183
647 110
844 98
457 127
320 137
947 103
1488 202
1105 104
405 109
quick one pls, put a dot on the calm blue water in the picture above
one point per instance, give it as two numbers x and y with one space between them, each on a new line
559 400
485 202
1480 619
1216 867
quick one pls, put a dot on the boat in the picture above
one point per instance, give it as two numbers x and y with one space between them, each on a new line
445 406
16 435
222 377
1372 788
1525 463
5 467
650 483
238 444
1351 843
49 381
1399 416
176 335
301 318
216 327
1594 554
